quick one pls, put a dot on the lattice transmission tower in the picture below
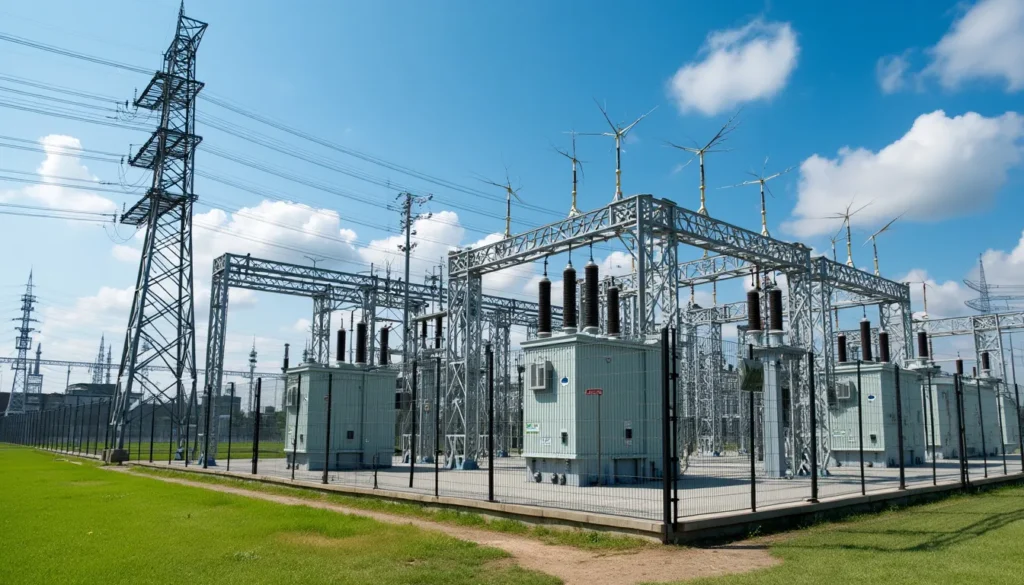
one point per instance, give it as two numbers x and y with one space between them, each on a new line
21 400
161 325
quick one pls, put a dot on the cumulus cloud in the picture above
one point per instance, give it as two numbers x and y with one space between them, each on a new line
891 72
434 237
986 43
57 168
942 167
736 66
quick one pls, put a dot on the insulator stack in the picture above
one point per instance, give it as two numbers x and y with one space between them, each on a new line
922 344
341 345
544 308
613 311
384 333
986 363
959 366
865 340
841 342
284 367
423 331
569 299
438 328
883 347
753 311
590 288
974 371
361 343
775 309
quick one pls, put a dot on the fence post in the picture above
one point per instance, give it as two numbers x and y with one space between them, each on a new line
961 439
666 437
256 427
814 427
170 433
490 423
860 431
899 430
437 426
295 433
1001 413
674 421
152 429
981 424
231 418
753 462
412 435
327 439
931 413
138 457
1020 436
188 420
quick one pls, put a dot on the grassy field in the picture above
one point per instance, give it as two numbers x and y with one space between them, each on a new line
584 539
71 522
239 450
975 538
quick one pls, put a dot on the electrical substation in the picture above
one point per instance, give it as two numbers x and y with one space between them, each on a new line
625 399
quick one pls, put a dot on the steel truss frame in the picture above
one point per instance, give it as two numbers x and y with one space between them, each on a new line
161 324
652 230
813 296
330 291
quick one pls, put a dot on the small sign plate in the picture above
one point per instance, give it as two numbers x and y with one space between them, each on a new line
594 392
564 381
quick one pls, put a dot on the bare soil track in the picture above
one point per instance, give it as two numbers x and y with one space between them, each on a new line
656 564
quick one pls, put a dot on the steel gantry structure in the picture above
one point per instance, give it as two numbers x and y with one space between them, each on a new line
986 329
813 296
652 230
161 324
331 291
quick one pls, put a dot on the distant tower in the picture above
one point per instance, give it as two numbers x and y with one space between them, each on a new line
23 342
985 302
97 367
39 358
252 375
110 363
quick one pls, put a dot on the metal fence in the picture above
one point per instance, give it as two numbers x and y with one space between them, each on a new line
627 435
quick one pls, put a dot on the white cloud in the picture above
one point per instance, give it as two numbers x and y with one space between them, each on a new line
302 326
59 169
124 253
72 333
739 65
985 43
942 167
891 72
434 237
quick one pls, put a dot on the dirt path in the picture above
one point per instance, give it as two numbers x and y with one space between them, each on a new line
572 565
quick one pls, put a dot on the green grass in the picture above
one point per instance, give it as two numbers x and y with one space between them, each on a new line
71 522
976 538
239 450
585 539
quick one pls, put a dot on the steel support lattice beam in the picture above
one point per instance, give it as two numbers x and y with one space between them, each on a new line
161 324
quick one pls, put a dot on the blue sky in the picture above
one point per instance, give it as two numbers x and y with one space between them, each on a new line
919 97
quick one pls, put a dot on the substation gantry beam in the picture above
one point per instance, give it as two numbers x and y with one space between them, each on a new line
813 296
330 290
652 230
987 331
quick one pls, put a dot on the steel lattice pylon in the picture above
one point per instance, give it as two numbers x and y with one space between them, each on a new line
161 325
21 399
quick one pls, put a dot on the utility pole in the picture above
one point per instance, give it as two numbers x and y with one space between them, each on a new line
252 373
408 218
